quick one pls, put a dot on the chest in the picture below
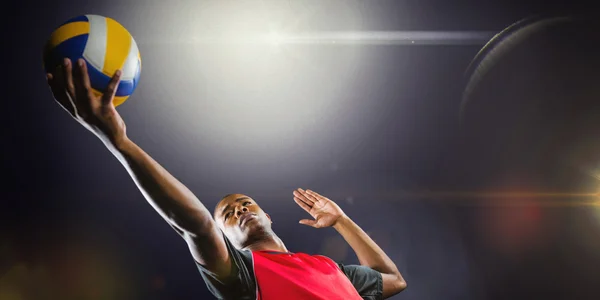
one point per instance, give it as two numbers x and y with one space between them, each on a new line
300 276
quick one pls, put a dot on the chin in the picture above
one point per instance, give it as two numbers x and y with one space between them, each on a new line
255 230
254 227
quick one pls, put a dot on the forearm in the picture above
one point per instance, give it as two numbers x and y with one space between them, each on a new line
169 197
368 252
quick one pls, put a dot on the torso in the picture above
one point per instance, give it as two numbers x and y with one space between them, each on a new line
291 276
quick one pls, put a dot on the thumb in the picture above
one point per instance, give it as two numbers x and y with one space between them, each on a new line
311 223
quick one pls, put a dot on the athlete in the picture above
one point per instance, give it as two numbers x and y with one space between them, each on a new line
235 249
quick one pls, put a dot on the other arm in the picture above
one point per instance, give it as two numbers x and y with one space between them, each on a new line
327 213
371 255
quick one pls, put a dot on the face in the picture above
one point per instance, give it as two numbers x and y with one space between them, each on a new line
241 219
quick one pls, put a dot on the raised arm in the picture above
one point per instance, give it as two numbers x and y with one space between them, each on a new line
170 198
327 213
371 255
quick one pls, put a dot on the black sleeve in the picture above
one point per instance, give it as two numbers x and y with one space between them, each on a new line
366 281
240 287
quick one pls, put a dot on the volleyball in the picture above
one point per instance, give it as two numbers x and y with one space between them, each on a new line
104 44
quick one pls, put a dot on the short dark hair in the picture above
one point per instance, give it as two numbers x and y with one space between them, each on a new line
226 196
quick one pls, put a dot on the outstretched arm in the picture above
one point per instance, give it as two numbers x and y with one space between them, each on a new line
170 198
178 206
327 213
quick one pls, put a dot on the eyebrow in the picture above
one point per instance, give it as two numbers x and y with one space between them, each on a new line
236 200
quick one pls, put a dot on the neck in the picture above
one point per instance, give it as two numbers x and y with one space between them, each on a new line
267 241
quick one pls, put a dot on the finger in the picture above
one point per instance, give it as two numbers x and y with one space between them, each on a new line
53 84
57 78
302 195
69 86
84 76
81 80
314 194
83 90
303 204
312 197
49 80
68 74
311 223
58 90
111 90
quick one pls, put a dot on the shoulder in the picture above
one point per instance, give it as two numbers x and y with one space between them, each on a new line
368 282
241 285
327 260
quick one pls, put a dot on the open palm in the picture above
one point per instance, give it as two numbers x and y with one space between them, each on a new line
324 211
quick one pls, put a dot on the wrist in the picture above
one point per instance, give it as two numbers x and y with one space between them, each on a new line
122 144
342 222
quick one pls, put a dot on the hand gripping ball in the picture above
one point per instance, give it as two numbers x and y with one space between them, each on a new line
105 45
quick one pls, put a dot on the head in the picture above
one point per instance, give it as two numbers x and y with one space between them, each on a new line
242 220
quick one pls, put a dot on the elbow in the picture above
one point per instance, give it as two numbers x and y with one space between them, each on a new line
400 284
393 283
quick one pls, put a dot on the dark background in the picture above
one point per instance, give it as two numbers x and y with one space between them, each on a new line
69 209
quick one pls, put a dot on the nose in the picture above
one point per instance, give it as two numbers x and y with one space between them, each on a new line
240 210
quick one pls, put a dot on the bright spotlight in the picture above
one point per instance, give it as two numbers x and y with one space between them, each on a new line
274 38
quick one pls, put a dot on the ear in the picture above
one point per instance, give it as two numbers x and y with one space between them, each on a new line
269 217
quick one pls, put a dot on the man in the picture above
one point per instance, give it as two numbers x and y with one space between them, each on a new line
238 254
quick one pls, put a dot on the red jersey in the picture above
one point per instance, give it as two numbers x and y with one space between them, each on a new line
269 275
300 276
